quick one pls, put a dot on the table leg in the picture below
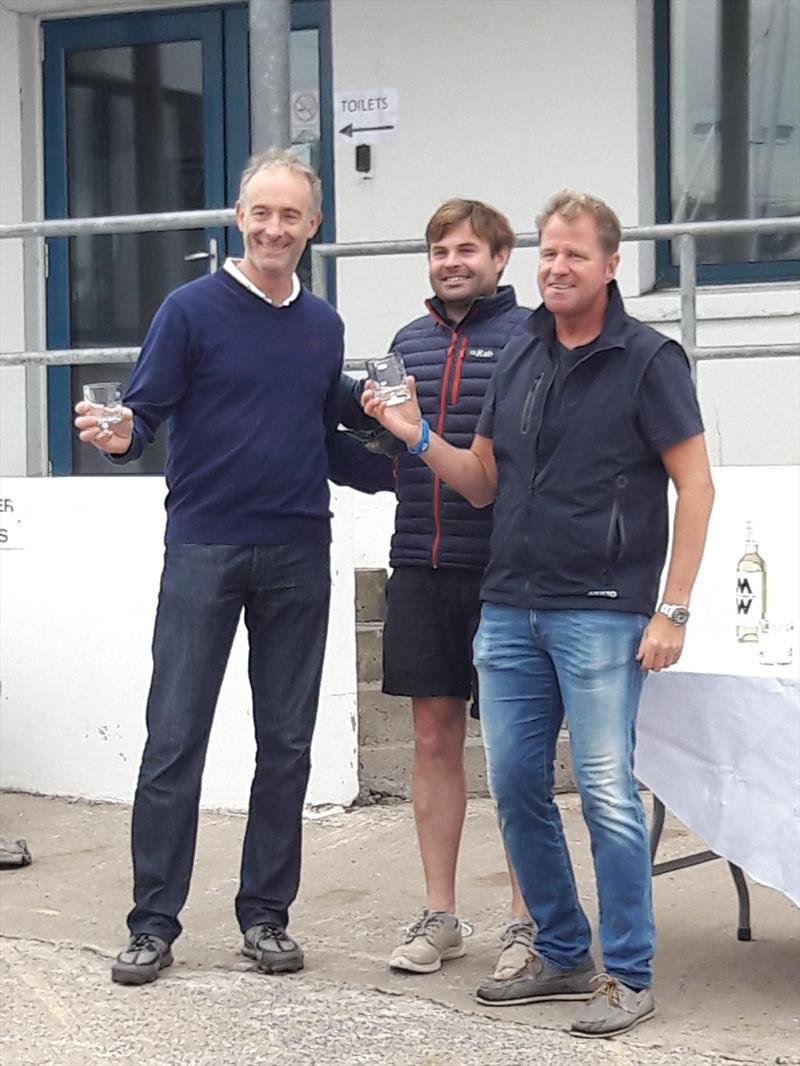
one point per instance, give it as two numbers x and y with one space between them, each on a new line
657 827
744 931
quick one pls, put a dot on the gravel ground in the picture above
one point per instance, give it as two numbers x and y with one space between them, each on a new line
60 1009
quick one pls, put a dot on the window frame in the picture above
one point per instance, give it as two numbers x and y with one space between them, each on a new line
667 274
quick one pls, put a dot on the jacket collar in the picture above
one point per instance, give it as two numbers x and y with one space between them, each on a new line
543 323
504 299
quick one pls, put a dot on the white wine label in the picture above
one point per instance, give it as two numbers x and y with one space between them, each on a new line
749 597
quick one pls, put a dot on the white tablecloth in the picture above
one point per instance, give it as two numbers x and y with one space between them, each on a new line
719 734
723 754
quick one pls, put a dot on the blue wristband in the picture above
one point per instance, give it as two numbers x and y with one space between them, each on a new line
424 441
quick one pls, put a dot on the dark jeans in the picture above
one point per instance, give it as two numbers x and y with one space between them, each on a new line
285 592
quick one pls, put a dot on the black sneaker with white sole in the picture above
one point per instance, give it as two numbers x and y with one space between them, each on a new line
272 948
141 961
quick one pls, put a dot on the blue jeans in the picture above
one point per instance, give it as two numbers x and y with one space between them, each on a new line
533 668
284 591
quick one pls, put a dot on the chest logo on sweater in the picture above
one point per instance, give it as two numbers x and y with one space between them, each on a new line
480 353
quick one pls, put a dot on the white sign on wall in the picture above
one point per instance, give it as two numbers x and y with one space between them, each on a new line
366 116
11 527
304 115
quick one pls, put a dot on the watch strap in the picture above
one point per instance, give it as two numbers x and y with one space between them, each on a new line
678 613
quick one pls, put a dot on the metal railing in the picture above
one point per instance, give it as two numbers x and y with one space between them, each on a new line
687 234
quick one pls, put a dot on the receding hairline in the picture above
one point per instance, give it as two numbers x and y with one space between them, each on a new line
281 158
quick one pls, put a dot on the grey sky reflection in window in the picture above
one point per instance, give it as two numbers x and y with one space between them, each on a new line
735 120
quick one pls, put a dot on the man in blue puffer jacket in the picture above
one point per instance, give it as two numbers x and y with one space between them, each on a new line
439 550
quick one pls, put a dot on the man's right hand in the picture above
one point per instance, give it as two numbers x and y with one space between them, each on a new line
403 420
116 440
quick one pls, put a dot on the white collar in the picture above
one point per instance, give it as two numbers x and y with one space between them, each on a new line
232 267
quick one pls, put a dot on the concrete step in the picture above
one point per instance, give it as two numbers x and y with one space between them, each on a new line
385 723
385 769
369 651
386 719
370 597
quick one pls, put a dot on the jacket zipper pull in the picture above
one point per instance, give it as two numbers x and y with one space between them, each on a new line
527 408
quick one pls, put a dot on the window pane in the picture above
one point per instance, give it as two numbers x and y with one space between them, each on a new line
134 145
304 113
735 120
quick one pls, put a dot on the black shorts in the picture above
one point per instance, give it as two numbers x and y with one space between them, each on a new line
431 618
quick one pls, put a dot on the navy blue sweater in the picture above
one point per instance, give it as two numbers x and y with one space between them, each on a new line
249 391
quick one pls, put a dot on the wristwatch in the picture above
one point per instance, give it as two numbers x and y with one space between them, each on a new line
676 612
424 441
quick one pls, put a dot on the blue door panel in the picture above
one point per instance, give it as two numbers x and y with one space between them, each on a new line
223 33
61 37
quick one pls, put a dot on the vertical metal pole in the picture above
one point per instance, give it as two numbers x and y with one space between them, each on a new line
733 195
688 272
761 196
270 28
319 274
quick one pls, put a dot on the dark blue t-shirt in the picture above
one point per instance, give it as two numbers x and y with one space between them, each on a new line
556 413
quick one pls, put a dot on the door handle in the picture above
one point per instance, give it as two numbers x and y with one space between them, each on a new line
211 255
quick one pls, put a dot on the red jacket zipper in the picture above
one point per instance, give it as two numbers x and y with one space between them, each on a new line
437 529
457 374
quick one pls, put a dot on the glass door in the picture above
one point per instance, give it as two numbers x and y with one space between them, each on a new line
149 112
134 113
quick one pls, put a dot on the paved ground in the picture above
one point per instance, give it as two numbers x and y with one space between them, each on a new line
719 1001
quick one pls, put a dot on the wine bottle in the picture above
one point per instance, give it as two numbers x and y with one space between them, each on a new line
751 590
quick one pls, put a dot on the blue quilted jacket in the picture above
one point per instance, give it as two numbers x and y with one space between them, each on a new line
452 365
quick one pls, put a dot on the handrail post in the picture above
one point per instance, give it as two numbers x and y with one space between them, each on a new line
319 274
688 280
270 28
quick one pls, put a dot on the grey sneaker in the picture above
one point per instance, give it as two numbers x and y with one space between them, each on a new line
614 1008
142 960
539 982
516 948
434 937
272 948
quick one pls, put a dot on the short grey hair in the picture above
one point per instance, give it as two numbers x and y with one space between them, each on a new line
569 204
281 157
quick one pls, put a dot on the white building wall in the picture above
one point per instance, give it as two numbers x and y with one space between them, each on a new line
492 105
490 110
76 617
509 116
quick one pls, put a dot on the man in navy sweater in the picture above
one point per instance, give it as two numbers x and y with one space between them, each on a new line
245 365
588 417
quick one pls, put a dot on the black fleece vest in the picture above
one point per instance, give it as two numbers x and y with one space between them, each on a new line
589 528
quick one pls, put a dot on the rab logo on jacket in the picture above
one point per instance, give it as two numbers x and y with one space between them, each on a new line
480 353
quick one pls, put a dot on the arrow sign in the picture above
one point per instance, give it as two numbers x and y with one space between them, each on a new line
368 115
348 131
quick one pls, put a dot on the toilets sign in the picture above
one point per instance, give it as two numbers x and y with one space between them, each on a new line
367 116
